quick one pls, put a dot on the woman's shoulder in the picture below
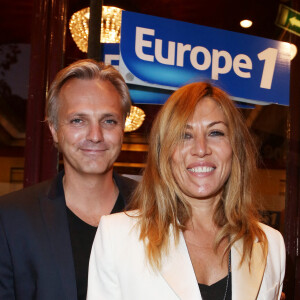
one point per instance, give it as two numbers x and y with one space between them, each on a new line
120 221
124 216
268 230
273 235
118 230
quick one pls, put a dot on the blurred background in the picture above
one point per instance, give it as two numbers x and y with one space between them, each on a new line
35 42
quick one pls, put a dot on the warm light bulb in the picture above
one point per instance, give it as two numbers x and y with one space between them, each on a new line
135 119
290 50
246 23
293 51
110 26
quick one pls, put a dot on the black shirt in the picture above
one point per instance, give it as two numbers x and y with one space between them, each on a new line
82 237
217 290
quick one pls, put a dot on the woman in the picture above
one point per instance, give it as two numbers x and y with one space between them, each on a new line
192 231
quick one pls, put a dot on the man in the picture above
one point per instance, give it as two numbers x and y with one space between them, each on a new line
47 230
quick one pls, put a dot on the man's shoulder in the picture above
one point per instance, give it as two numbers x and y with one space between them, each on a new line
126 186
125 180
26 195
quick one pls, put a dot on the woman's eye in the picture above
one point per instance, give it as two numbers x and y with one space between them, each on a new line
216 133
187 136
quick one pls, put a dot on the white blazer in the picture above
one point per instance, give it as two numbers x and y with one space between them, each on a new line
119 270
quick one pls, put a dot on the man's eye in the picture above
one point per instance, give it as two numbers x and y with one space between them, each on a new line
110 121
76 121
216 133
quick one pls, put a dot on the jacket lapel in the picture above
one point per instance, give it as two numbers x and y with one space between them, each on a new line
246 284
178 271
53 209
125 186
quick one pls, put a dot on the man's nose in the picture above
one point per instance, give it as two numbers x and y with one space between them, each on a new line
95 133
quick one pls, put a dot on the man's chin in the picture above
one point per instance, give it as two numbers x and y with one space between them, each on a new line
94 170
88 167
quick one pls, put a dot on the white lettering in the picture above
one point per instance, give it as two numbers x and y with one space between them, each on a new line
140 43
181 49
242 61
206 60
216 69
220 61
108 58
170 60
269 56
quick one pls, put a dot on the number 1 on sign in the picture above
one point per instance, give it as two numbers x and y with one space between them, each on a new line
269 56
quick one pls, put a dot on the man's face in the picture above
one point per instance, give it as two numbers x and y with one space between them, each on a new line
90 126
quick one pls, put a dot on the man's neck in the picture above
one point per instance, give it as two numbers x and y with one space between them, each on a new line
90 196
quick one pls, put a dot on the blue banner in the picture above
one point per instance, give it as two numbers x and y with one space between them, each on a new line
138 94
164 54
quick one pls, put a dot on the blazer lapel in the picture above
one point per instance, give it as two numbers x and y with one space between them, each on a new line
54 212
125 186
178 271
246 284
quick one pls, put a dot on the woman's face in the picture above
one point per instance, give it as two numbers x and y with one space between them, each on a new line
201 162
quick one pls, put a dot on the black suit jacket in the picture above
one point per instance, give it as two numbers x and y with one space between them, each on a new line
36 260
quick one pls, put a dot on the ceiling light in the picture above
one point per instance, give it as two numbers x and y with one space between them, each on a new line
246 23
293 51
110 26
135 119
290 50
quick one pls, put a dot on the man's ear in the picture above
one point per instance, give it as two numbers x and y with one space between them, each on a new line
53 132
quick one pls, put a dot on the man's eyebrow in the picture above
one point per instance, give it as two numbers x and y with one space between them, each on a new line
77 114
107 115
83 114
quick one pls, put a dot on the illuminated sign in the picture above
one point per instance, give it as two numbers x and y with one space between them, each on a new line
288 19
165 54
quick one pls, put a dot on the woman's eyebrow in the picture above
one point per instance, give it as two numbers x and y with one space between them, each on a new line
189 126
217 122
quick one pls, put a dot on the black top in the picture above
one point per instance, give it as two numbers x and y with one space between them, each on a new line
217 290
36 259
82 237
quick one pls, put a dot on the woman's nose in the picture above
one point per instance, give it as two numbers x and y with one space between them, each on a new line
201 146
